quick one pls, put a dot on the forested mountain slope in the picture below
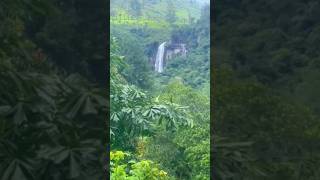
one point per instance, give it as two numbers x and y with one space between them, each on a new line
140 43
267 89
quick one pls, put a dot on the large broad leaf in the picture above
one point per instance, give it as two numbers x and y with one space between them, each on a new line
115 117
19 114
73 159
101 101
57 154
18 174
89 107
17 170
46 96
83 103
74 166
74 105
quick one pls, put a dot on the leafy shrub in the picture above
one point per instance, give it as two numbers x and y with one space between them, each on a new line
132 170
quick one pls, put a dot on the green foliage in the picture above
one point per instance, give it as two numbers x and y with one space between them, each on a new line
171 12
193 69
51 122
136 7
133 170
268 95
199 106
44 126
155 11
122 18
266 124
64 35
196 145
134 113
190 145
168 121
137 70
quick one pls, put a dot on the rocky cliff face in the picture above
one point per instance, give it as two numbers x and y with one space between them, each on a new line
171 50
174 50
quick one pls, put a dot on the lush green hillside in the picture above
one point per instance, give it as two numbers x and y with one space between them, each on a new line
167 110
193 69
153 12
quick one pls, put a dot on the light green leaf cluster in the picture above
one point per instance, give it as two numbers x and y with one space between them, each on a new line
133 170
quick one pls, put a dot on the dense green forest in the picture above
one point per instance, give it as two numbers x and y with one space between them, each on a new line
53 102
267 96
160 122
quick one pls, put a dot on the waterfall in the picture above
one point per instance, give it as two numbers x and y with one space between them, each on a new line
159 59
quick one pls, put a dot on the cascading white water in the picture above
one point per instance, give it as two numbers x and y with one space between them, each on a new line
158 66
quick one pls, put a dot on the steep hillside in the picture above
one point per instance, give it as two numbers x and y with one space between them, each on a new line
185 11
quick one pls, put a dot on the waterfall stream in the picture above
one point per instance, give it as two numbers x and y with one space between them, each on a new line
159 58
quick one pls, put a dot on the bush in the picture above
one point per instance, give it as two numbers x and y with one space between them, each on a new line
133 170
